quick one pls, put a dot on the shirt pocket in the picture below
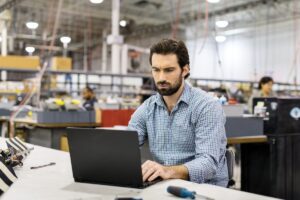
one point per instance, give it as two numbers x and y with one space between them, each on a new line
183 134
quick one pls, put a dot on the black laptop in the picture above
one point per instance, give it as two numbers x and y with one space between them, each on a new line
106 156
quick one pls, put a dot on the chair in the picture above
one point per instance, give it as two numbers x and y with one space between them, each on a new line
230 157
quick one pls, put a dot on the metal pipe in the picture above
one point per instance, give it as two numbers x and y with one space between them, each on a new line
85 52
4 39
115 55
104 51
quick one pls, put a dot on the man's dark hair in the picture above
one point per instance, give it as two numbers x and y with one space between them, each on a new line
264 80
170 46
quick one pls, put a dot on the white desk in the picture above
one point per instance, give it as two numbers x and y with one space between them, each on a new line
56 182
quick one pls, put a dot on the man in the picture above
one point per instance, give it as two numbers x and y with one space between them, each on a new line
89 97
184 125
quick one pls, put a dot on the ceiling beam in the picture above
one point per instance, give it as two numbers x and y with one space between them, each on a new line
9 4
187 19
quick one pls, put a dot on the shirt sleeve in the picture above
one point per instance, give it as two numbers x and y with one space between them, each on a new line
138 123
210 142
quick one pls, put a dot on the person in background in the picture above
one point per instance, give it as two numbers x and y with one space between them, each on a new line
89 97
184 125
264 90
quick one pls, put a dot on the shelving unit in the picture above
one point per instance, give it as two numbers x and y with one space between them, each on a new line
108 83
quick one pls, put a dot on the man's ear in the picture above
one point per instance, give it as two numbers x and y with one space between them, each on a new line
185 70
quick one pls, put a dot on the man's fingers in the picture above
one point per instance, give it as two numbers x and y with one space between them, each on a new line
151 170
148 173
146 163
154 175
145 168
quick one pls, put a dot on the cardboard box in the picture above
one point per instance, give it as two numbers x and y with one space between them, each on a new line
61 64
20 62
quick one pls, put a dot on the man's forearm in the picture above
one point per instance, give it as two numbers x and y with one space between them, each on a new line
178 172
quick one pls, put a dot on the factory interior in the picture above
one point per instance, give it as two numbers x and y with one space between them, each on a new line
150 99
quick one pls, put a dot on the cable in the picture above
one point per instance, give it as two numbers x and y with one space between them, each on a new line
198 20
171 2
50 19
205 27
175 26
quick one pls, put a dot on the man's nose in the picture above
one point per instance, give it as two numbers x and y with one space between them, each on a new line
161 76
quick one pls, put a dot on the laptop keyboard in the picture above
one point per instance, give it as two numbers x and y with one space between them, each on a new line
148 183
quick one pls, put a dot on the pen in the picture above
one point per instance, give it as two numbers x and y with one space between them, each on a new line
40 166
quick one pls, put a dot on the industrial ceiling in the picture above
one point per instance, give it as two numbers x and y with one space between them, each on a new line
85 22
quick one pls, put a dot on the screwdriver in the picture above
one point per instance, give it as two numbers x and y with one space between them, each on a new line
185 193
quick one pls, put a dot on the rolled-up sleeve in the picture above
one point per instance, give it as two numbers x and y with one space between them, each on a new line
138 123
209 142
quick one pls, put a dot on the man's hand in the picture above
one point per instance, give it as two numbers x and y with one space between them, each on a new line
151 170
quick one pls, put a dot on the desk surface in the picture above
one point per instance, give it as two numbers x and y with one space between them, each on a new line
56 182
247 139
231 140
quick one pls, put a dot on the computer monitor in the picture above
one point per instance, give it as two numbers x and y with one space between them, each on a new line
283 115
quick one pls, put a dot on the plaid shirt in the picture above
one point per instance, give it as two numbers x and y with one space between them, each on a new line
193 134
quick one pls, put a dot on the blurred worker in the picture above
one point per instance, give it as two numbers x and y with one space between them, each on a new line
264 90
89 97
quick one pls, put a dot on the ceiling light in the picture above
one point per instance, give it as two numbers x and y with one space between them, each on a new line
65 39
222 23
32 25
30 50
213 1
96 1
123 23
220 38
0 39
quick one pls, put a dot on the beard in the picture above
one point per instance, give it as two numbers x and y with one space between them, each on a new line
171 89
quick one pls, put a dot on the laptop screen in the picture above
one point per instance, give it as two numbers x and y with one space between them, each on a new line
105 156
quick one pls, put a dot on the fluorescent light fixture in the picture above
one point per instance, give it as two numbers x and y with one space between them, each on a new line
222 23
213 1
32 25
30 50
0 39
237 31
220 38
123 23
65 39
96 1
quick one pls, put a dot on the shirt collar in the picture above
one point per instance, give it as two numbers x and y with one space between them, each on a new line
185 96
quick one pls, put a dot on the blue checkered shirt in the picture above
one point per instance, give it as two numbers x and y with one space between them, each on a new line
193 134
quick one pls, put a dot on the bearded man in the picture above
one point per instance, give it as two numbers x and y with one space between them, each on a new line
184 125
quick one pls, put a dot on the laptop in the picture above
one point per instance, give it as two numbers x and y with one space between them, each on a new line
106 156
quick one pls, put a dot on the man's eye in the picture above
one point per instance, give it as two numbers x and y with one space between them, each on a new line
169 70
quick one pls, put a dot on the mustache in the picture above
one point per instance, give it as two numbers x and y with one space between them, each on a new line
162 82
